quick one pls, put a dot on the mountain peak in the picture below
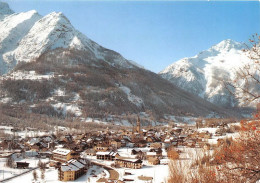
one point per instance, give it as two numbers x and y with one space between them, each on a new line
227 45
57 17
5 9
203 74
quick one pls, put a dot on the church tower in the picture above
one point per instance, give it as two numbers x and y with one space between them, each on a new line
138 125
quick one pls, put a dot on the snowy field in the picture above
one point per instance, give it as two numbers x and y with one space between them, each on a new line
6 172
159 173
214 138
51 176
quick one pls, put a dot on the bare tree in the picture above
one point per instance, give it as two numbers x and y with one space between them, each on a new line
42 174
199 122
35 175
9 162
246 85
239 160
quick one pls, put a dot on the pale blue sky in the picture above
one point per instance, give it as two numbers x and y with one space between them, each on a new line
155 33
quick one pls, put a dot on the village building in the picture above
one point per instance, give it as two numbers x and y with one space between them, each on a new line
107 155
72 170
150 139
177 129
22 165
102 180
145 178
156 145
158 152
136 152
123 143
128 163
46 154
62 155
90 152
116 143
153 161
151 154
190 143
101 148
137 128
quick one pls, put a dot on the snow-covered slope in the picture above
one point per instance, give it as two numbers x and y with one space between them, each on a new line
204 73
13 28
24 37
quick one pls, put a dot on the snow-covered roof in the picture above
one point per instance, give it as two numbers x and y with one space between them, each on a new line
102 153
61 151
34 141
89 140
130 160
167 140
107 153
76 163
151 153
73 165
48 139
69 167
82 161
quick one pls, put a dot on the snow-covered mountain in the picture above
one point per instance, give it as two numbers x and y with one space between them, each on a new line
203 74
47 67
25 36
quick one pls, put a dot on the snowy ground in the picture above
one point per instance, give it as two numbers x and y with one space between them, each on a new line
158 172
51 176
23 134
6 172
214 138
